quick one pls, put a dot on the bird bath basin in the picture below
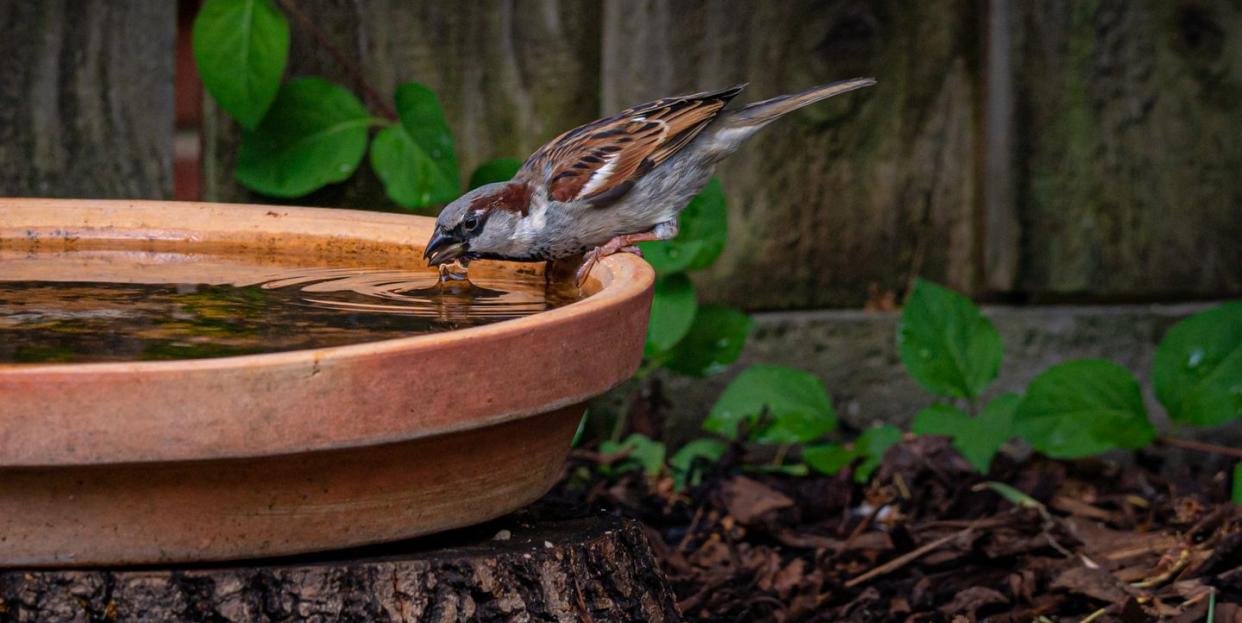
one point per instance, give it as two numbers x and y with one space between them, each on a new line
336 440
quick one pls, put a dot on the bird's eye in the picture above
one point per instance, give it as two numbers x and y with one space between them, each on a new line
470 223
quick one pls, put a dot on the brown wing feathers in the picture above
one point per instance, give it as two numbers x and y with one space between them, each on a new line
600 161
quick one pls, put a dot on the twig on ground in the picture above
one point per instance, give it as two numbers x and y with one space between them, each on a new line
694 524
907 558
1200 446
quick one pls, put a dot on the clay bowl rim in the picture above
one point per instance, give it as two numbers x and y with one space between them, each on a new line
308 416
616 278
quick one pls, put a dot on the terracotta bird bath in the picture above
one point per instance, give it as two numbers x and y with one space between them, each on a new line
290 452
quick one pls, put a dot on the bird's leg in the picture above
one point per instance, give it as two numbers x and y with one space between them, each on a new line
625 244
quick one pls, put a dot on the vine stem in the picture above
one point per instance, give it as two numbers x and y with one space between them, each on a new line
1200 446
350 68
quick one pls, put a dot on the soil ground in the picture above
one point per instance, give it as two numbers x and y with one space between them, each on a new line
929 540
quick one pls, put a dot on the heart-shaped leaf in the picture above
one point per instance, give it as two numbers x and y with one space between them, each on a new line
240 48
1197 371
703 228
714 341
498 170
415 159
1081 408
946 344
779 405
672 312
314 135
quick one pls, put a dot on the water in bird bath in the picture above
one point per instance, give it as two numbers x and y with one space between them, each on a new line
134 305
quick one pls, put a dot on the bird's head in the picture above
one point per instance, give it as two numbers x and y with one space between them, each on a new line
481 224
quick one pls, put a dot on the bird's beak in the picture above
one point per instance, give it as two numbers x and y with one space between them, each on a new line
443 248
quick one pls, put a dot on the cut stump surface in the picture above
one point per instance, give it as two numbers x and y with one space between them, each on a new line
519 568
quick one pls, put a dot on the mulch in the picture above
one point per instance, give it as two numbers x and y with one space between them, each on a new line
928 540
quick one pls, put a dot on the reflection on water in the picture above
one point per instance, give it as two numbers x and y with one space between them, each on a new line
127 306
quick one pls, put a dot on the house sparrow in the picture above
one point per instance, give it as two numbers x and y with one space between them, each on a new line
604 186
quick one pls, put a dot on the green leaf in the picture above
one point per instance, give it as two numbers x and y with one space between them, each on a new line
1237 484
994 427
668 257
645 453
872 444
683 461
1197 371
498 170
940 419
946 344
715 340
828 458
976 439
580 432
703 228
395 160
672 312
1081 408
240 48
415 159
314 135
1014 495
796 406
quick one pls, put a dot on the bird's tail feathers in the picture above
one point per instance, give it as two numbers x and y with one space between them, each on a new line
760 113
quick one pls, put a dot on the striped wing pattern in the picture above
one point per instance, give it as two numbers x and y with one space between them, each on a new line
600 161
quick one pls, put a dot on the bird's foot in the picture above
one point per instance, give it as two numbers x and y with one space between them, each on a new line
620 244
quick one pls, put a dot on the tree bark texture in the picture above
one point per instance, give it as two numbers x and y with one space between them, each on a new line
583 569
86 98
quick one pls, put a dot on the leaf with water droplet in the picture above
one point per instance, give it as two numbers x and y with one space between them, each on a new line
1198 365
415 158
946 344
315 134
714 341
1196 358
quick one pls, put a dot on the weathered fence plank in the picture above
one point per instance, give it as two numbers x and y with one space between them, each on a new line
1104 142
867 189
510 75
1128 119
86 98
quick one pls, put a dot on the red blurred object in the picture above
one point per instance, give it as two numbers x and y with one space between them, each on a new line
188 94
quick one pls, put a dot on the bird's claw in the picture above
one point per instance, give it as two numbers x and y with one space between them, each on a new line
593 256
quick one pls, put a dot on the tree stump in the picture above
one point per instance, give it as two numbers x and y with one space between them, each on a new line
520 568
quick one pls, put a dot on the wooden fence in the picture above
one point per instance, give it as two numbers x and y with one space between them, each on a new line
1051 150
